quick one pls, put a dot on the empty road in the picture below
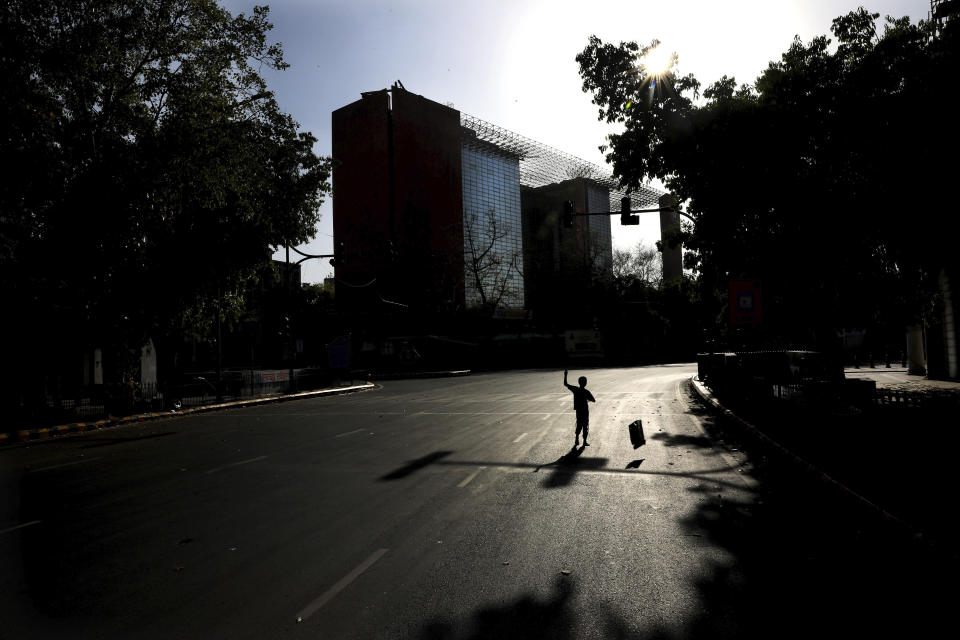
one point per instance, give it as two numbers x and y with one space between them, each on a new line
444 508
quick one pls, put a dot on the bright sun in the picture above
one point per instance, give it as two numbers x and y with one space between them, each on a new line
657 61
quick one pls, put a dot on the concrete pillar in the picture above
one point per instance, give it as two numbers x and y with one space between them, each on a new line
916 362
148 367
949 326
670 224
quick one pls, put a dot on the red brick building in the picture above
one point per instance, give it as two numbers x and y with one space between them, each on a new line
397 203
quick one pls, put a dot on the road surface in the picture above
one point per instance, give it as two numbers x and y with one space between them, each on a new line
443 508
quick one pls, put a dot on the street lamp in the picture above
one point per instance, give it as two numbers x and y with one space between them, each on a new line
288 275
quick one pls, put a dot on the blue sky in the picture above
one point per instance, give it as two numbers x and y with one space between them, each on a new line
512 62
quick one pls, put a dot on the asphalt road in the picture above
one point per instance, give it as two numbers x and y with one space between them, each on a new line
446 508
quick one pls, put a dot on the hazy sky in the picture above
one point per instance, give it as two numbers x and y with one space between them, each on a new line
512 62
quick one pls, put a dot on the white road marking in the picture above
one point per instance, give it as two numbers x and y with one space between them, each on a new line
348 433
65 464
342 584
490 413
20 526
235 464
470 477
520 437
533 413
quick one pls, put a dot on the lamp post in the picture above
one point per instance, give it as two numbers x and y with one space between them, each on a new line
288 275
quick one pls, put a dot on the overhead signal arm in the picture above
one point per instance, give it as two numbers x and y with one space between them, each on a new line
627 216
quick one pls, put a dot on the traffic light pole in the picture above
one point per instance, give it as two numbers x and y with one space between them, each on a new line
625 214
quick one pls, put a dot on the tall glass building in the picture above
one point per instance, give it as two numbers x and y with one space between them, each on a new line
492 225
600 240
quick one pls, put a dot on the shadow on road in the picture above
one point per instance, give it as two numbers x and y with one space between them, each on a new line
683 440
800 560
789 560
525 617
566 467
554 618
415 465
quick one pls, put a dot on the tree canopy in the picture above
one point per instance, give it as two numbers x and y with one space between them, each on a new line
148 166
824 177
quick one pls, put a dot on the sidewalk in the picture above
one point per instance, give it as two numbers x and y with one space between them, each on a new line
897 378
26 435
894 458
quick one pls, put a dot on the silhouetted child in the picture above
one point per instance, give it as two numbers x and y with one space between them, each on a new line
580 398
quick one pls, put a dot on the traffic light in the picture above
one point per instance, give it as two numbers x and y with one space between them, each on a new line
568 214
625 216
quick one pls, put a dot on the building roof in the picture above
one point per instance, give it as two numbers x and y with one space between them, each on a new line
541 164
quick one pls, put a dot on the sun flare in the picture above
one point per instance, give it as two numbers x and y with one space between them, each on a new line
657 61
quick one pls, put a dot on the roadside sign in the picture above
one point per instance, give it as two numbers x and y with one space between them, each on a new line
745 302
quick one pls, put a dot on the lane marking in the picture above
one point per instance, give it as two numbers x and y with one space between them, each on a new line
342 584
490 413
235 464
520 437
20 526
470 477
65 464
348 433
535 413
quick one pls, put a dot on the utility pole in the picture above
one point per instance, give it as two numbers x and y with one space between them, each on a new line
289 283
219 344
670 226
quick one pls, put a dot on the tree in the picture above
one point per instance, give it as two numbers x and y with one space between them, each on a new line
643 264
800 177
494 270
151 170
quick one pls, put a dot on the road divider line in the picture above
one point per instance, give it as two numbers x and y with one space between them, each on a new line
490 413
65 464
348 433
470 478
235 464
520 437
20 526
341 584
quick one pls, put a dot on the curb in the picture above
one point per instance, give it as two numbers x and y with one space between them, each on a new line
419 374
30 435
806 467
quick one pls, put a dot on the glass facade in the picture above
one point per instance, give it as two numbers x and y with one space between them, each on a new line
492 228
601 240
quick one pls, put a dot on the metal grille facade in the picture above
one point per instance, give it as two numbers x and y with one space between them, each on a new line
541 164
